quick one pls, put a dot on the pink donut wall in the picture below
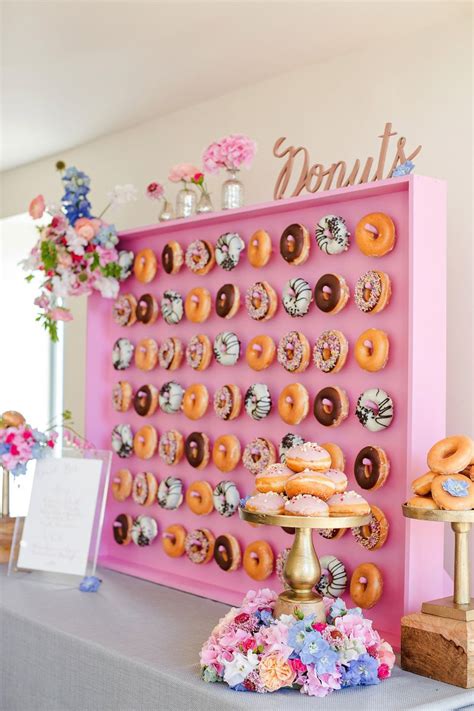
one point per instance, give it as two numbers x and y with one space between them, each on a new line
411 561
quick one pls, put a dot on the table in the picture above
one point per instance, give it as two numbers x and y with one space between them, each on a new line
133 646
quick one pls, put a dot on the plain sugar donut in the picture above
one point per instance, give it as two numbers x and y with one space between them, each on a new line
145 265
366 585
293 403
375 234
260 352
371 350
173 540
451 455
258 560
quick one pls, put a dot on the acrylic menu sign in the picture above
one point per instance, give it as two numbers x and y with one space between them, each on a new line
58 529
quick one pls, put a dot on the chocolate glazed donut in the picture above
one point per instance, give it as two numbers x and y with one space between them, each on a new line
290 250
331 282
145 308
143 400
195 448
167 258
224 558
225 300
370 474
122 532
325 415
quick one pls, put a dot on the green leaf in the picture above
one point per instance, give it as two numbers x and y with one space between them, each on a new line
29 277
113 269
49 255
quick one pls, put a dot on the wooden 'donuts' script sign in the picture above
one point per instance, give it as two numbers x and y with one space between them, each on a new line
315 177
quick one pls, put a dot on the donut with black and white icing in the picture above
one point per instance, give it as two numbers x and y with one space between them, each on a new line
122 353
333 581
296 297
172 308
144 530
122 441
258 455
170 397
227 348
374 409
227 250
226 498
288 441
258 401
332 234
170 493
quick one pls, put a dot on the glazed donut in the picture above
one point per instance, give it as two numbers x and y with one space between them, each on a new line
422 502
375 234
338 460
145 442
310 482
173 540
227 553
307 455
197 305
122 396
144 530
270 503
258 401
227 402
195 401
259 249
170 397
349 503
374 534
228 301
297 297
258 454
122 485
287 442
226 452
144 489
145 401
147 309
124 310
261 301
453 492
332 235
145 266
172 308
196 449
330 351
306 505
146 354
294 244
260 352
294 352
371 350
339 479
199 352
170 353
293 403
122 441
371 468
451 455
226 348
258 560
374 409
226 498
199 545
331 406
170 493
122 353
372 292
122 529
273 478
200 257
366 585
228 249
172 257
199 498
171 447
421 486
333 581
331 293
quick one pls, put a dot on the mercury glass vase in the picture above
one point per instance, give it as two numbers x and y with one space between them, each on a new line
204 203
167 212
232 191
186 200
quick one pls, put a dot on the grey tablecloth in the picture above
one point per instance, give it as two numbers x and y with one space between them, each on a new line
133 646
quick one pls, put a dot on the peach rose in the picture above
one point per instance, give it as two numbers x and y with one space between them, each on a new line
86 228
37 207
275 672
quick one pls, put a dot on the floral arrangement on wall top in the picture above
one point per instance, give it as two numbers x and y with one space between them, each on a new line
231 152
76 253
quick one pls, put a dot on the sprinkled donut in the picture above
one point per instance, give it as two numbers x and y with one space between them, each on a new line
332 234
200 257
332 534
226 498
294 352
170 353
171 397
144 489
227 348
374 409
228 249
258 401
333 579
227 552
172 308
330 351
228 301
171 447
297 297
199 545
144 530
287 442
123 311
227 402
372 292
261 301
122 396
374 534
199 352
122 441
170 493
122 354
258 454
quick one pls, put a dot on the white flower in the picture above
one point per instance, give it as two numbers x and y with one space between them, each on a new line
62 286
288 620
122 194
239 668
125 260
351 649
108 287
31 263
75 242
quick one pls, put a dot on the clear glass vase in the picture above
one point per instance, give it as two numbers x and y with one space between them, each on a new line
186 200
232 191
167 212
204 203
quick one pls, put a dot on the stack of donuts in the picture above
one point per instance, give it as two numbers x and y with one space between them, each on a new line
449 483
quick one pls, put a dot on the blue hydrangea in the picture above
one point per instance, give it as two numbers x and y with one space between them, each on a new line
403 169
106 237
456 487
361 672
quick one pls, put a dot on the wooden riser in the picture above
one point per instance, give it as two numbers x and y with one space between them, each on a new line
6 534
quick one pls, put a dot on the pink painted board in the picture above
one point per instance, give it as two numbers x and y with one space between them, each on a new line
411 560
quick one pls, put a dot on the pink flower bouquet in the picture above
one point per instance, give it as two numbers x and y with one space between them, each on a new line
21 443
231 152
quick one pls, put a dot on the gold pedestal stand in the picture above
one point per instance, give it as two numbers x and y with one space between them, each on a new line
302 569
438 642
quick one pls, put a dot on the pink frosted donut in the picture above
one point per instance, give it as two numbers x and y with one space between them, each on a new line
350 503
306 505
270 503
339 479
308 455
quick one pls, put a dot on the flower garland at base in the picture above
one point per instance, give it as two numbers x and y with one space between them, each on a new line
251 651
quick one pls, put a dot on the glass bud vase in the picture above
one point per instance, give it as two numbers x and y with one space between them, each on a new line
167 212
204 203
186 200
232 191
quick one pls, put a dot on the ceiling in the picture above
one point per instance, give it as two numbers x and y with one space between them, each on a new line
75 70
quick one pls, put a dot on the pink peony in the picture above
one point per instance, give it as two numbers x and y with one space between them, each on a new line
182 171
37 207
385 655
276 672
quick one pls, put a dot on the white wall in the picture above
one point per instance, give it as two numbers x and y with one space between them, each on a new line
421 83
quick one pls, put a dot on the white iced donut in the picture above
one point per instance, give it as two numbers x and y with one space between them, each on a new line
172 308
122 441
226 348
122 353
228 249
170 493
296 297
374 409
258 401
333 579
171 397
332 234
226 498
144 530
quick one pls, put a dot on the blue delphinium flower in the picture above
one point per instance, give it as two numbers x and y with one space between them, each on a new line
74 200
4 448
299 632
403 169
76 181
326 662
313 648
361 671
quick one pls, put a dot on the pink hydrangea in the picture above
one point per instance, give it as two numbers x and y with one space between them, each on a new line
274 639
254 601
231 152
320 685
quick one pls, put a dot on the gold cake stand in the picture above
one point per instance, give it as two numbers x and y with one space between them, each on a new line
302 569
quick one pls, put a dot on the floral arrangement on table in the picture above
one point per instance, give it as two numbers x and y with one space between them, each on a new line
251 651
20 443
231 152
76 253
